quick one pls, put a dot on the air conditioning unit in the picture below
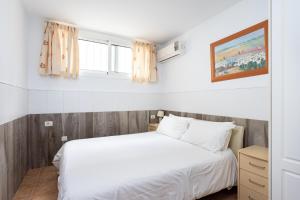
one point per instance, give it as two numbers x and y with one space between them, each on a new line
170 51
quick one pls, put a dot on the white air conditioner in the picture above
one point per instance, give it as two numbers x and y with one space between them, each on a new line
171 50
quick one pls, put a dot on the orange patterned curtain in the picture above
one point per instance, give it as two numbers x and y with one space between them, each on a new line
144 62
59 55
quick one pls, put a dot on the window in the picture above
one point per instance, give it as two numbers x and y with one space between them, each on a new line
97 57
93 56
122 59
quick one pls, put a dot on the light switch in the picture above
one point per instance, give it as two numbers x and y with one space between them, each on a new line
48 123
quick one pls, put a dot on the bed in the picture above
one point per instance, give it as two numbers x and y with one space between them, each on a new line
143 166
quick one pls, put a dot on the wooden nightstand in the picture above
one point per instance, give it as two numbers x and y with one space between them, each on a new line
152 126
253 173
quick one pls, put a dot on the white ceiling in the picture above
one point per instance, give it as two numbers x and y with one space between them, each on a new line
154 20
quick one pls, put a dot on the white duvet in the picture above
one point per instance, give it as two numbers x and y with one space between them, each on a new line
141 166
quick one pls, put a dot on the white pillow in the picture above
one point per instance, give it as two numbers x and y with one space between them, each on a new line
172 127
181 118
213 136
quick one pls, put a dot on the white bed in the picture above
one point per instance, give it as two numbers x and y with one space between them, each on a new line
141 166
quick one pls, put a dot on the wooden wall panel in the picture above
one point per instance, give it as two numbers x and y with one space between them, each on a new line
104 124
257 133
27 143
35 141
46 141
19 130
53 135
3 165
86 125
124 122
138 121
9 150
70 125
13 156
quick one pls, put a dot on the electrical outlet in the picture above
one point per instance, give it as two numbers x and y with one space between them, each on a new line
64 138
152 117
48 123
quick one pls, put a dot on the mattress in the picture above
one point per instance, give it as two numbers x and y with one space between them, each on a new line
144 166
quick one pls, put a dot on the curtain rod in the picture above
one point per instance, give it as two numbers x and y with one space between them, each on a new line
75 26
63 23
142 40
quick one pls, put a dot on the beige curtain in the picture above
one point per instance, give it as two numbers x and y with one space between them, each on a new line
144 62
59 55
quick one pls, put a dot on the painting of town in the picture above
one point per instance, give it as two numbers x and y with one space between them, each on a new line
242 56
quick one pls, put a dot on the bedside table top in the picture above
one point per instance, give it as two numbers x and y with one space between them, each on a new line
256 151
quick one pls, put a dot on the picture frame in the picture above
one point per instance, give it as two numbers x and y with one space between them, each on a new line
242 54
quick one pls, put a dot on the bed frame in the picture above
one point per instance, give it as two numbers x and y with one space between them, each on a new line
237 139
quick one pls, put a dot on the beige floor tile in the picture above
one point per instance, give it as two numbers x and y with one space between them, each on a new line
46 188
28 198
50 176
23 192
45 197
30 181
34 172
49 169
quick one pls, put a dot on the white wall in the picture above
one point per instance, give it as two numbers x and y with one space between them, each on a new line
186 79
87 94
184 82
13 72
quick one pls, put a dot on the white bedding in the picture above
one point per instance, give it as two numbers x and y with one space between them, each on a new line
141 166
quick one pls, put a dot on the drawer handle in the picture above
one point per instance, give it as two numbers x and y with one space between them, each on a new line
257 166
250 198
255 183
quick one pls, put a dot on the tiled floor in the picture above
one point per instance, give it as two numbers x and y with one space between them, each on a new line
41 184
38 184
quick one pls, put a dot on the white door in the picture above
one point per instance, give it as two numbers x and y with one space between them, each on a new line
285 146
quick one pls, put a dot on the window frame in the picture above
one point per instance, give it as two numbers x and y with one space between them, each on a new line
116 64
110 41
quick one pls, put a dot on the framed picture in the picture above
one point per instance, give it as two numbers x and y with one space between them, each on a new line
240 55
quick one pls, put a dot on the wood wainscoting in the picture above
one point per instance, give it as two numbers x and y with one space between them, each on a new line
26 143
13 156
44 142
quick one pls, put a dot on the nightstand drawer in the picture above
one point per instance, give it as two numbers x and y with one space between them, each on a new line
247 194
254 182
254 165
